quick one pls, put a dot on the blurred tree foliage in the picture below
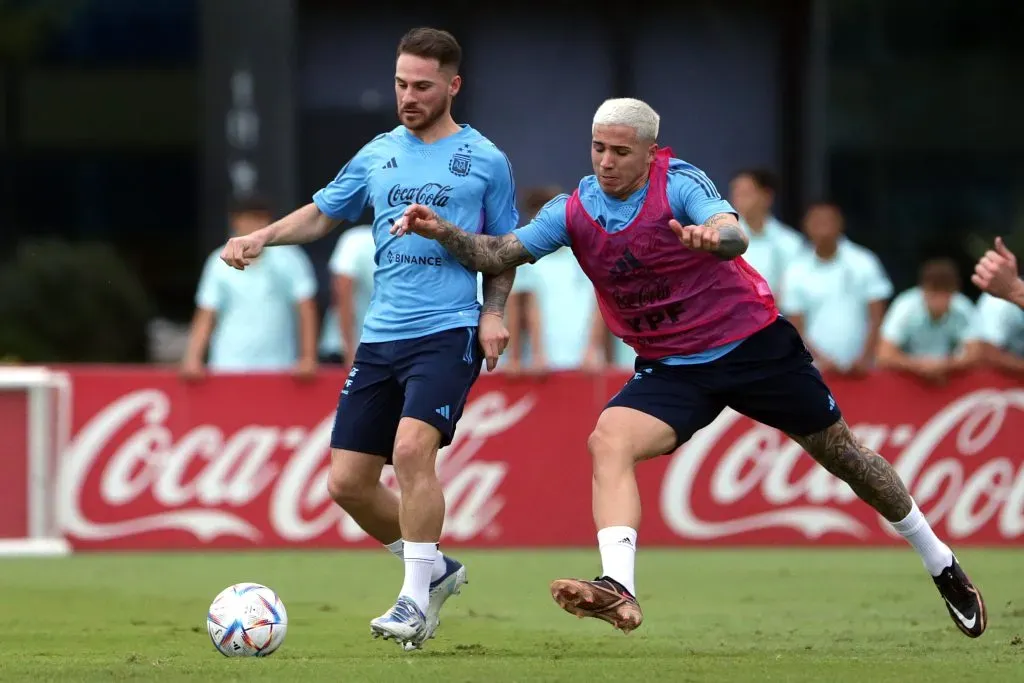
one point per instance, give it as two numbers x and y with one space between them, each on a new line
68 303
26 25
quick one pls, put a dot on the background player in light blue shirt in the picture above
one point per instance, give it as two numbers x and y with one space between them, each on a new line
262 320
925 329
997 335
836 295
419 354
351 266
773 244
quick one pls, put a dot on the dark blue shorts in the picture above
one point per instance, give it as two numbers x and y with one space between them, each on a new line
770 378
427 378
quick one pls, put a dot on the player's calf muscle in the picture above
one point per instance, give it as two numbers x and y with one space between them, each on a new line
870 475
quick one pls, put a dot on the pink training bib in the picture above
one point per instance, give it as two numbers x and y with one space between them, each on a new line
658 296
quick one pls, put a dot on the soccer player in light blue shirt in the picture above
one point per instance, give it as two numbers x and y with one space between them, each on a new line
420 350
690 192
769 377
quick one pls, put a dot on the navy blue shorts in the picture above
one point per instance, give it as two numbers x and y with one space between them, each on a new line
770 378
427 378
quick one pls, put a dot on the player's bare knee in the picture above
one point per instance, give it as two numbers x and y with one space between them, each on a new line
609 451
415 449
353 477
346 489
411 457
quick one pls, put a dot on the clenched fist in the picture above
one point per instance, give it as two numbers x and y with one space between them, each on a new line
241 251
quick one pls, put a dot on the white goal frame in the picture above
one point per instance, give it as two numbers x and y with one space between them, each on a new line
48 431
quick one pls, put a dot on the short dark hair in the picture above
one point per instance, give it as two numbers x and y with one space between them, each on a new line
432 43
824 203
251 205
939 275
762 177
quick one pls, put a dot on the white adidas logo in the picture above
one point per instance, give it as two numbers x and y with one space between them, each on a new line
444 412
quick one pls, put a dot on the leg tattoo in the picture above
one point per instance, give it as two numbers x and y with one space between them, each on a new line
870 475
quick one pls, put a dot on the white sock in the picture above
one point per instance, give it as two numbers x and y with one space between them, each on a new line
618 555
935 554
419 563
440 567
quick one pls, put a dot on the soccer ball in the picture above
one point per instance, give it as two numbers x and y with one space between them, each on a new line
247 620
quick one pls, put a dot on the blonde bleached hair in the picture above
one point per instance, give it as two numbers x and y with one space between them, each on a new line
626 111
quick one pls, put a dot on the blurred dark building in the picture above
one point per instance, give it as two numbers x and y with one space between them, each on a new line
137 122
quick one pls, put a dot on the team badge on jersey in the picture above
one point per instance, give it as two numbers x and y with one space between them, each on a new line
461 161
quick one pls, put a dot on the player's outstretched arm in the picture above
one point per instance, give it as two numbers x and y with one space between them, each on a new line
487 254
300 226
303 225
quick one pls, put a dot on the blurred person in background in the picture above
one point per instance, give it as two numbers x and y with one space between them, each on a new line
836 294
773 244
558 301
996 273
351 267
426 333
926 327
605 350
526 348
260 320
997 335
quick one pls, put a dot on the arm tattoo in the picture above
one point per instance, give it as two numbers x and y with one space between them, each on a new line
732 241
870 475
485 253
496 289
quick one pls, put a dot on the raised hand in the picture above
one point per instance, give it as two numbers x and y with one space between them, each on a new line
996 272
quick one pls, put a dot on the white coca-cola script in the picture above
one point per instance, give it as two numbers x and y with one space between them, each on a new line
146 468
759 464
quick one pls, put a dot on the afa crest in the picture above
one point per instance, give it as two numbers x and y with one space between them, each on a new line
461 162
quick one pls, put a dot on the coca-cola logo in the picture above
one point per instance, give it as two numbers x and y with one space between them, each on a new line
759 465
198 480
429 194
648 293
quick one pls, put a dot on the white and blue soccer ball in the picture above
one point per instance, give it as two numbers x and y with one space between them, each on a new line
247 620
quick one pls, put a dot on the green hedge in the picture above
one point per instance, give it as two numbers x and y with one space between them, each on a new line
65 302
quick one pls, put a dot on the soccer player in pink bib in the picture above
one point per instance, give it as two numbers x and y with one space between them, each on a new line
663 250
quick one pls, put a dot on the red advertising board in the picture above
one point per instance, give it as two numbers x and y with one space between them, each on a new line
14 467
241 462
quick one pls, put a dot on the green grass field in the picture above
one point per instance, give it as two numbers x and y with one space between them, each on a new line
739 615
